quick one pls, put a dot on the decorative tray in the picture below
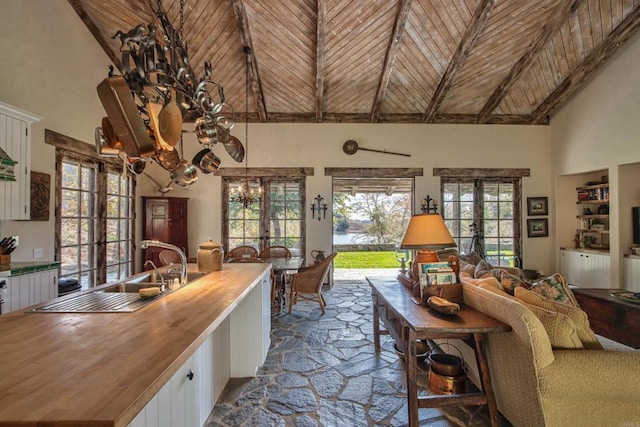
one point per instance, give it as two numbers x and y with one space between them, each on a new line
628 296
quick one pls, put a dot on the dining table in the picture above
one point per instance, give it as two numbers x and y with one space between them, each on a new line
281 267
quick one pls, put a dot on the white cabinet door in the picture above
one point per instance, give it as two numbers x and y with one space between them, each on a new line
189 396
585 269
565 265
598 271
266 315
29 289
249 343
15 140
632 274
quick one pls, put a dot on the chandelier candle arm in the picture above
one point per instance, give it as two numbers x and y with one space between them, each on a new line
245 194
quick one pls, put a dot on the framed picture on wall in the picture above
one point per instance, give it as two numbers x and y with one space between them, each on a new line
537 206
538 227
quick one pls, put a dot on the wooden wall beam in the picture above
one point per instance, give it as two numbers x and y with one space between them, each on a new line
254 75
515 119
373 172
88 22
558 18
321 23
614 40
464 47
390 57
482 172
81 148
262 172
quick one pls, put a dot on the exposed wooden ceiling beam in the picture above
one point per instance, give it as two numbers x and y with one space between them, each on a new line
615 39
321 21
77 6
254 75
466 44
559 17
390 57
514 119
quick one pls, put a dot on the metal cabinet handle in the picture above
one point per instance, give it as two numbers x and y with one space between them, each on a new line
190 375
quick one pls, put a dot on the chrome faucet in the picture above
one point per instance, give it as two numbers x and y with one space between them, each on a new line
144 244
147 262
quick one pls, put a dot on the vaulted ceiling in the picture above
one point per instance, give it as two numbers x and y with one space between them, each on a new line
388 61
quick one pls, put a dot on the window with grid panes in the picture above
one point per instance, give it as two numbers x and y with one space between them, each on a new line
493 204
95 221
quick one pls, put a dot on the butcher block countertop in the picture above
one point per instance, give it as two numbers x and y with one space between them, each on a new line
101 369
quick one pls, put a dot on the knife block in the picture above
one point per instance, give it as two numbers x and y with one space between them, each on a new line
5 259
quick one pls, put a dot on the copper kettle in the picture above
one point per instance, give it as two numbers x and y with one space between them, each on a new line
210 255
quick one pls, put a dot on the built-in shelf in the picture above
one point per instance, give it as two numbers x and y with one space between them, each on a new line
592 231
593 227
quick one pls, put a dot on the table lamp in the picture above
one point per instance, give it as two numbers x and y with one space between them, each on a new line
425 233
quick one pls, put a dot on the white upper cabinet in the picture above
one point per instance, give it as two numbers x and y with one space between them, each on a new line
15 141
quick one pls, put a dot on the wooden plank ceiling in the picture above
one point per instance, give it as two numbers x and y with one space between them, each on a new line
392 61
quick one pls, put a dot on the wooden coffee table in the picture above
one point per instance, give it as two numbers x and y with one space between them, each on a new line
407 322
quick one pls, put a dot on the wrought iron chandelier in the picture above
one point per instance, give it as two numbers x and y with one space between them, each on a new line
156 93
244 194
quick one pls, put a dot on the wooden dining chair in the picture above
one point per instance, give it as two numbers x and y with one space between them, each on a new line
244 251
307 283
167 256
275 251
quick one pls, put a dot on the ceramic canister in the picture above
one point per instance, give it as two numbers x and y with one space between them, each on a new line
210 255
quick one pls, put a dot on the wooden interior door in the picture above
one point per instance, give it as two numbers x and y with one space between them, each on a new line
165 219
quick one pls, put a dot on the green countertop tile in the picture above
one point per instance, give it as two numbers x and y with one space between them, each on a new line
20 268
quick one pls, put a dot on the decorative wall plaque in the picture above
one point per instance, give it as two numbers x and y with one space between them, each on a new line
40 192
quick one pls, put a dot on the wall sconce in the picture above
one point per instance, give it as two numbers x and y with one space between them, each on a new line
319 206
426 207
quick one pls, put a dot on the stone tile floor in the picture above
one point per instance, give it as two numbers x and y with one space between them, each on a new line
321 370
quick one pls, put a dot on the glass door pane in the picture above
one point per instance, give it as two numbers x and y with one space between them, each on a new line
277 220
285 215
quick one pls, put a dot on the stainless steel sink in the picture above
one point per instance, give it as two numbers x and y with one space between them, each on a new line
121 297
97 302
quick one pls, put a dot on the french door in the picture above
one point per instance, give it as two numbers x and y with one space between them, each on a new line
278 219
492 205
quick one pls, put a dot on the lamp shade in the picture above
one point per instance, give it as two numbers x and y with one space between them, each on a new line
427 231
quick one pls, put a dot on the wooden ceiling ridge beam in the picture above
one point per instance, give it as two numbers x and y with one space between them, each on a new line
254 76
559 17
91 26
614 40
467 42
390 57
321 23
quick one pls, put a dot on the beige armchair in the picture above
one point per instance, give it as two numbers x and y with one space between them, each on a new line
307 283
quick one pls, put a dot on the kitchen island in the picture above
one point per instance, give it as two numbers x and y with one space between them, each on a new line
139 368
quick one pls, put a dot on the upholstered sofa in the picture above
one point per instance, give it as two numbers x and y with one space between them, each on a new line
538 385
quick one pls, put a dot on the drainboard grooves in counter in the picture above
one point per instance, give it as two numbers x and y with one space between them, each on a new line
92 302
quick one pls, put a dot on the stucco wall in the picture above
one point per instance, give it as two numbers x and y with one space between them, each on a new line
52 64
598 129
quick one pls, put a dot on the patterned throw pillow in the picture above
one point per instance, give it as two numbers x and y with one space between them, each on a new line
487 281
482 268
467 268
577 316
510 282
555 288
472 258
561 330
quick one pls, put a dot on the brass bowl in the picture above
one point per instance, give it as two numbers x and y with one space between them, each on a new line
422 350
